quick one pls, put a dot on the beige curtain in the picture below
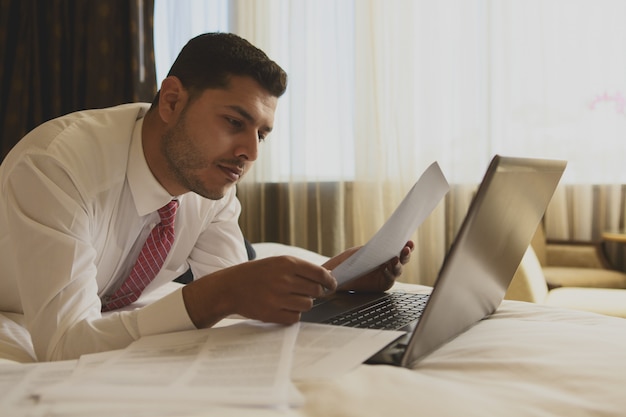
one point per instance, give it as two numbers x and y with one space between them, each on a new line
306 214
330 216
455 82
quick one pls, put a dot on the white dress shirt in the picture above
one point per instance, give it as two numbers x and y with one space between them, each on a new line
77 200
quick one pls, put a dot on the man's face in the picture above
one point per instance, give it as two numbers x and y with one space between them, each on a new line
215 139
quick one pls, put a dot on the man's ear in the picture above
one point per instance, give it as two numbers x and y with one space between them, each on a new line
172 98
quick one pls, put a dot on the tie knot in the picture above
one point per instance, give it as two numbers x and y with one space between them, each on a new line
167 213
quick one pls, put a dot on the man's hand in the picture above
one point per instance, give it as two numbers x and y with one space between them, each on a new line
380 279
275 289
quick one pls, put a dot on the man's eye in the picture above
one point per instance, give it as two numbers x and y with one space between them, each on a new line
234 122
261 138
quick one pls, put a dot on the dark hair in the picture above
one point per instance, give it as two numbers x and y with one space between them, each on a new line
210 59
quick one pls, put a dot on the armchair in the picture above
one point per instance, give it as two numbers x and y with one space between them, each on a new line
575 264
529 284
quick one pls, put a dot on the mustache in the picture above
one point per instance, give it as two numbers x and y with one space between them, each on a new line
236 162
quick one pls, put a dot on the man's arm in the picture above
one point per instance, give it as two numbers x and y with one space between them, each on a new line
275 289
278 289
54 262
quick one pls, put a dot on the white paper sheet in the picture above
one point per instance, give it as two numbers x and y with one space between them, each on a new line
244 364
387 243
20 383
241 367
325 351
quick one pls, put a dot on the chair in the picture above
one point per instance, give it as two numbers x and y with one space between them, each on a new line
575 264
529 284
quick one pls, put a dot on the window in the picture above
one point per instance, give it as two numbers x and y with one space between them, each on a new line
383 88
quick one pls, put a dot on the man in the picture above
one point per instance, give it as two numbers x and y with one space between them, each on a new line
81 194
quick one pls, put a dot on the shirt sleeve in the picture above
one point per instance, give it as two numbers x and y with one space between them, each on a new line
167 314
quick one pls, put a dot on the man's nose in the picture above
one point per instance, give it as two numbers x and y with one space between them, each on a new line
248 148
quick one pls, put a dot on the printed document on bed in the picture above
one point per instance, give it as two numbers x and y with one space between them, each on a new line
245 364
387 243
240 367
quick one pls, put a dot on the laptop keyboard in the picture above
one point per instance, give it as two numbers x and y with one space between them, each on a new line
392 312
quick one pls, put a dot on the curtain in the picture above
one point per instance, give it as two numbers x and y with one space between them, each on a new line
60 56
341 89
388 93
458 81
379 89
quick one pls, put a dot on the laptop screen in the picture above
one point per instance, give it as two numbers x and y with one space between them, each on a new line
499 225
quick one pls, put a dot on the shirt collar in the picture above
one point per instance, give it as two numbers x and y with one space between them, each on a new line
148 194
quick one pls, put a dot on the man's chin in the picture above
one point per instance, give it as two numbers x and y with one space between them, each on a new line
212 194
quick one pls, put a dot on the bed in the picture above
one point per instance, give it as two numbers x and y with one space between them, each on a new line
524 360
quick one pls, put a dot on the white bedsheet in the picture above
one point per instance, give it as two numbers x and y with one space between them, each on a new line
525 360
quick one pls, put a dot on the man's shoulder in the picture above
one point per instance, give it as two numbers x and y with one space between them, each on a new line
129 111
108 123
90 146
83 129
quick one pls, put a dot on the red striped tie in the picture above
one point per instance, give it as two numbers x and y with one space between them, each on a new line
149 262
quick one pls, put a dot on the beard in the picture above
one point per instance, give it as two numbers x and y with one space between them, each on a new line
185 160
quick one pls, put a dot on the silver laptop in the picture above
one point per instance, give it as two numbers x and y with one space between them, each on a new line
474 277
